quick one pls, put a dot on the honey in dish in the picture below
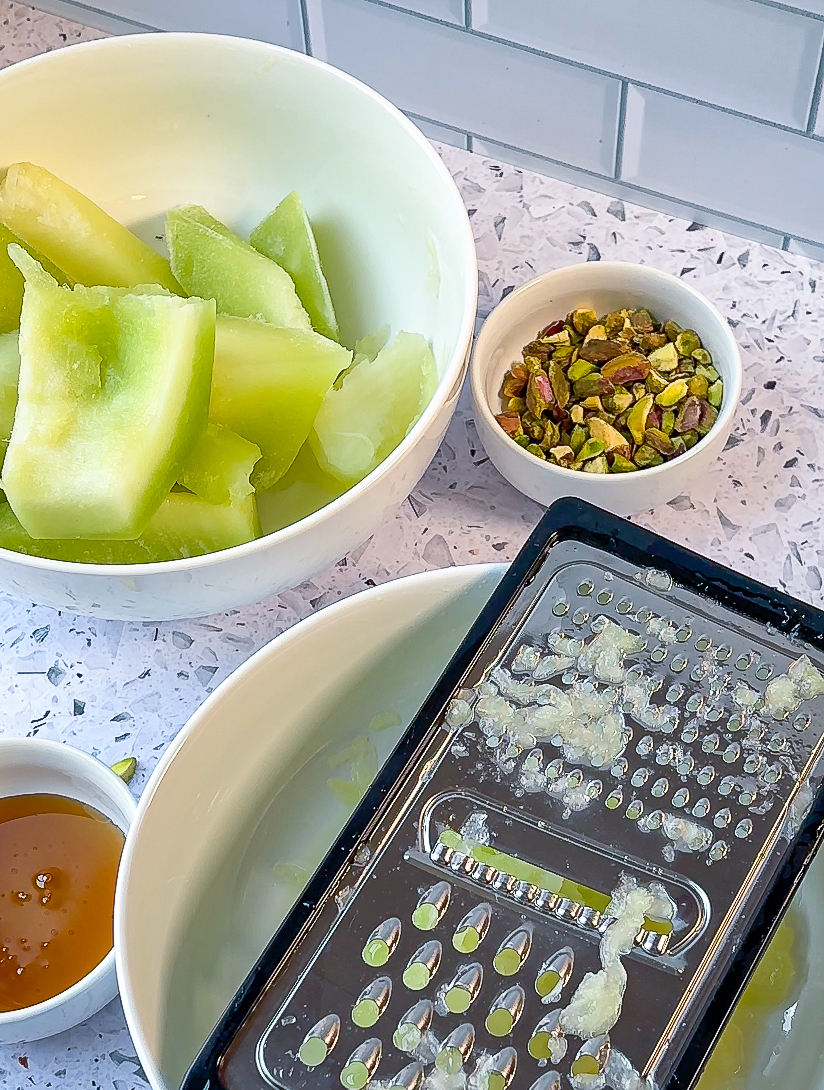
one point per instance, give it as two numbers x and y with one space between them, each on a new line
58 865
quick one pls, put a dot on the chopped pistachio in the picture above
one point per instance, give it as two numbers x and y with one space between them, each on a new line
715 394
614 323
702 356
599 351
650 342
690 438
639 390
576 414
564 353
595 333
522 440
592 385
516 405
620 464
658 440
637 418
591 449
552 433
514 382
645 457
125 769
709 415
561 337
533 448
667 421
641 321
620 401
593 404
563 455
598 464
656 383
578 438
539 396
609 436
511 423
698 386
629 367
559 383
672 329
687 342
580 369
583 320
676 391
708 371
689 414
664 359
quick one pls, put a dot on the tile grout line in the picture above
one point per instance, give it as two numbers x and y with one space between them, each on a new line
789 8
619 136
307 38
99 11
633 188
580 66
468 14
816 99
785 245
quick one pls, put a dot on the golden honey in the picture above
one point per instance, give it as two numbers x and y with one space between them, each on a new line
58 866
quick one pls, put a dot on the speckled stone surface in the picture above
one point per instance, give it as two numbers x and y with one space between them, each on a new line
119 688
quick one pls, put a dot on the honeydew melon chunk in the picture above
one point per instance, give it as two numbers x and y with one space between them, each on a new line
286 237
218 468
301 491
268 385
212 262
75 234
112 396
12 282
182 526
9 374
367 415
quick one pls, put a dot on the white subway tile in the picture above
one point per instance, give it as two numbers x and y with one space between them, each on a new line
806 249
670 207
736 166
746 56
452 11
442 133
467 82
277 21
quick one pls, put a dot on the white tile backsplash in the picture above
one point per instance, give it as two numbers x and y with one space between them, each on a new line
544 83
764 65
475 84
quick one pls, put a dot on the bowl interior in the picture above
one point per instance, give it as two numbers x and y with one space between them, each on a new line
602 287
143 124
240 813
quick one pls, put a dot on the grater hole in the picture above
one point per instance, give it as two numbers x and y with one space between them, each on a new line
675 693
681 797
706 775
644 615
722 818
614 799
683 634
735 723
586 588
624 606
645 746
747 798
731 753
640 777
703 643
635 809
695 703
723 652
801 722
678 664
604 597
717 852
712 715
660 787
701 808
580 617
654 820
659 654
764 672
689 733
620 768
561 607
743 829
743 662
726 786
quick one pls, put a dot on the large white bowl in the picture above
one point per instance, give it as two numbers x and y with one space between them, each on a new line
603 286
242 789
144 123
35 766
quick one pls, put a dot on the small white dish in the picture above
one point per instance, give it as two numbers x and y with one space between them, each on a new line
602 286
242 790
34 766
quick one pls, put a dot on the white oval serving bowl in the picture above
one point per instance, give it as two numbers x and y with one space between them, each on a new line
142 124
35 766
602 286
243 789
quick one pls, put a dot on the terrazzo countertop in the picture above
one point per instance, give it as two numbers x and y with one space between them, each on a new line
119 688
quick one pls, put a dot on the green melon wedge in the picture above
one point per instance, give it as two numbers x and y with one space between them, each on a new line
113 395
12 282
286 236
182 526
213 263
219 466
75 234
268 385
9 374
364 417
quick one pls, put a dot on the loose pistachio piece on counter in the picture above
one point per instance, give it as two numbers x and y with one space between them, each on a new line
125 769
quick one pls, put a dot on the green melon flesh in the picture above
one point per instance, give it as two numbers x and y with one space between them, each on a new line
9 374
286 237
182 526
113 395
301 491
12 282
219 466
363 418
268 385
75 234
213 263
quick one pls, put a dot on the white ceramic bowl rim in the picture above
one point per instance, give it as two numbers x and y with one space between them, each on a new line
297 632
732 390
451 375
124 797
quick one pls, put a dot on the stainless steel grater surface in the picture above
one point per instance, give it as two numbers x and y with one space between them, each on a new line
628 741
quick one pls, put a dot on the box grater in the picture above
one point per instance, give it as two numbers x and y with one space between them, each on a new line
568 868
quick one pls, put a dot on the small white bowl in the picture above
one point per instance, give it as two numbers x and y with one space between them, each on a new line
602 286
243 788
34 766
